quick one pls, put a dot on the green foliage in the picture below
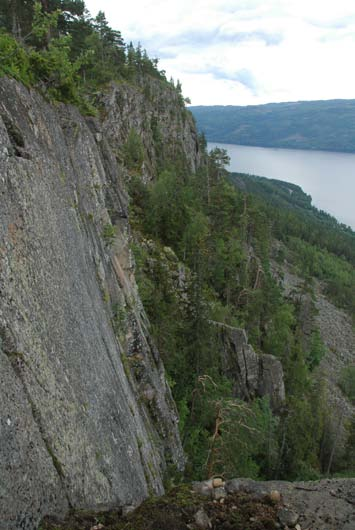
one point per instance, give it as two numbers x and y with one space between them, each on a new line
318 246
338 274
169 209
133 151
48 64
119 319
324 125
347 382
223 238
57 47
294 216
316 350
219 159
107 52
301 447
42 22
302 427
108 233
246 444
54 67
14 60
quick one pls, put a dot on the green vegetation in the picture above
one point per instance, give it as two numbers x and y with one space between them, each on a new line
203 246
108 233
57 47
223 238
326 125
176 511
316 350
347 382
133 151
318 246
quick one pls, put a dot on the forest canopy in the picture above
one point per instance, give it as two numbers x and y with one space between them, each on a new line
58 47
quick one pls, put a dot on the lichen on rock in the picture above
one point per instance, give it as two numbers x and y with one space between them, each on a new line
79 428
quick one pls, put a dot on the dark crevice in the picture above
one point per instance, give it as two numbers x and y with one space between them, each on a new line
246 382
16 137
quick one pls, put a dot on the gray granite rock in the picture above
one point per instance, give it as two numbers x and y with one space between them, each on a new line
202 520
319 505
288 517
252 375
219 493
86 416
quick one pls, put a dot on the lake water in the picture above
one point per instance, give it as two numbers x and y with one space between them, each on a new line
328 177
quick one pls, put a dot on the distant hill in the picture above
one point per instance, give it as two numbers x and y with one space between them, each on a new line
325 125
287 196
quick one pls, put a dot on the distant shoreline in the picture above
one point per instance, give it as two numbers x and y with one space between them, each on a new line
307 125
313 149
328 176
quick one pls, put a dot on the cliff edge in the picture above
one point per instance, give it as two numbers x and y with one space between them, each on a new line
86 416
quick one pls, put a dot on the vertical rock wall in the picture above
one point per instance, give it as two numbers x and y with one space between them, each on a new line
86 416
252 375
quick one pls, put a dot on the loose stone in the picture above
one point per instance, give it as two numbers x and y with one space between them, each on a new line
288 517
202 520
219 493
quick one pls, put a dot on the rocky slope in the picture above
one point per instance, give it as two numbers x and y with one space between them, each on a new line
253 375
233 505
338 335
86 416
321 505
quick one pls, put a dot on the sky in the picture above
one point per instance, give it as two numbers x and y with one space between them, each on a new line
244 52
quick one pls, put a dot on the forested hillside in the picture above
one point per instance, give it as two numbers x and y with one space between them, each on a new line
134 268
293 216
59 48
223 237
325 125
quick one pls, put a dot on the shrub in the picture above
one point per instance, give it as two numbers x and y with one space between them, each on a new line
108 233
133 151
347 382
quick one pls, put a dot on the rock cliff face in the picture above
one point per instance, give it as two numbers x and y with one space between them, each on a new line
157 112
86 416
252 375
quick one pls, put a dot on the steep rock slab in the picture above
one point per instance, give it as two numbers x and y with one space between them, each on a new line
252 375
79 427
156 112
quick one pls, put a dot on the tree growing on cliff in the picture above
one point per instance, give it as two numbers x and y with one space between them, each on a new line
57 46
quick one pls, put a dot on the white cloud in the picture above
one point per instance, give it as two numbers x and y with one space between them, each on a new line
245 51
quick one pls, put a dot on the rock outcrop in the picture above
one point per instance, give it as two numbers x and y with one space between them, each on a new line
157 112
316 311
86 416
234 504
252 375
319 505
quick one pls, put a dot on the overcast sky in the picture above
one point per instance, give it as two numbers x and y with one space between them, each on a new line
242 52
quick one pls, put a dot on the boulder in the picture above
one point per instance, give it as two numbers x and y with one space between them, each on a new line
252 375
